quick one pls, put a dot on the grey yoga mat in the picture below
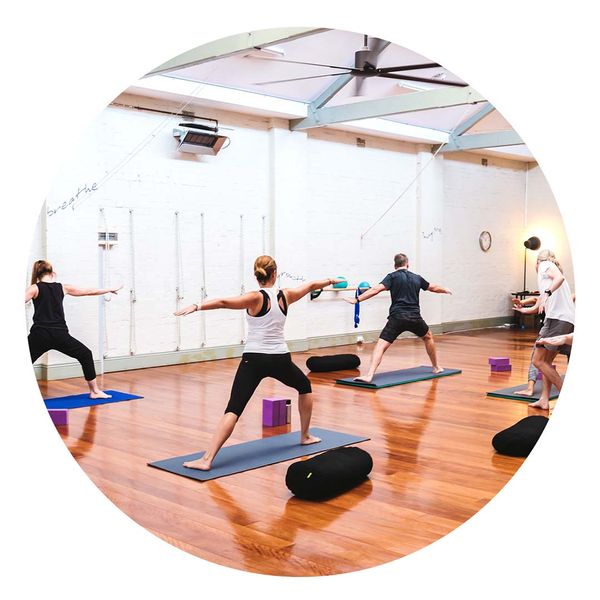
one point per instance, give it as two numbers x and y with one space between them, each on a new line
258 453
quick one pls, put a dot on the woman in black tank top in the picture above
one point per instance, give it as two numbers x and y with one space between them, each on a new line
49 330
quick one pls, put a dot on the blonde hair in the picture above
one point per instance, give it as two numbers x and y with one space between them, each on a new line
550 256
264 267
40 268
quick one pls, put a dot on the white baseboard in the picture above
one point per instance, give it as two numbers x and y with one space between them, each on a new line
161 359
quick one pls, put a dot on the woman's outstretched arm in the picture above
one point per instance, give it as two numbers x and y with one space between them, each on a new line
529 310
72 290
251 300
294 294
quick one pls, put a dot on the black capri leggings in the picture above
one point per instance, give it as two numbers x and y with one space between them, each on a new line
254 368
42 339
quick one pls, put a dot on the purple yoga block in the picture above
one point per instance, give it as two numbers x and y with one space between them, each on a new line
274 412
59 416
498 368
499 360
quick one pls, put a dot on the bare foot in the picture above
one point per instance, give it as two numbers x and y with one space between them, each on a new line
99 395
527 392
437 370
309 439
541 404
364 379
202 464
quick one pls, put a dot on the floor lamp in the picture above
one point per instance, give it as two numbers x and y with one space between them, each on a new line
533 243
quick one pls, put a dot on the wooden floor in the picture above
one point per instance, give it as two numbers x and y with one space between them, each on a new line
434 466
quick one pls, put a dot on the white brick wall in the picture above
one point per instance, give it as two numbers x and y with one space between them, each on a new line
350 188
478 198
318 192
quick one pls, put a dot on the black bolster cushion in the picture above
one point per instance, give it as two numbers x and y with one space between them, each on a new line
520 438
328 474
334 362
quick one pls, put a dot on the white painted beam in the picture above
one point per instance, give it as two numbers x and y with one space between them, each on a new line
467 124
331 91
233 45
482 140
393 105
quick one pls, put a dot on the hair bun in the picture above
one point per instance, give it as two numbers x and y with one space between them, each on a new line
259 271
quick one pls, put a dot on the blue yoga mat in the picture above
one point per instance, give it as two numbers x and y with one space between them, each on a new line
509 393
258 453
382 380
81 400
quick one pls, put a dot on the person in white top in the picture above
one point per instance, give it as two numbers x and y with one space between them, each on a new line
265 355
556 301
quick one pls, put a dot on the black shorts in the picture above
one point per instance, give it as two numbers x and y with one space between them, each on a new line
397 325
554 327
254 367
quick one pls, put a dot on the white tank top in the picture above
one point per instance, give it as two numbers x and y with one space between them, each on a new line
265 334
560 304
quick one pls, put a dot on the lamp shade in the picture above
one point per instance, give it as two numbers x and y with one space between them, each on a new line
533 243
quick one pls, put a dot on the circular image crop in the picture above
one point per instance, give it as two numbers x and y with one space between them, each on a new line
302 302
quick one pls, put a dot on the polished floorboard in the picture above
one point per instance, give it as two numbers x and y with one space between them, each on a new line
434 466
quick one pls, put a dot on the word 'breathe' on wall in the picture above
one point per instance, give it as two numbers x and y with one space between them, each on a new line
71 201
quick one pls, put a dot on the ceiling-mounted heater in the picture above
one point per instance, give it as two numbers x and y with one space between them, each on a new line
200 138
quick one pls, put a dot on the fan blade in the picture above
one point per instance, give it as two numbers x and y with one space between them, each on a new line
358 85
422 79
409 67
297 62
299 78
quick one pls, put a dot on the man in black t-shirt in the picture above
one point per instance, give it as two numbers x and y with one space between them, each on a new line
405 312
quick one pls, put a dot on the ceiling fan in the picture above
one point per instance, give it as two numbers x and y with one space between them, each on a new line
365 67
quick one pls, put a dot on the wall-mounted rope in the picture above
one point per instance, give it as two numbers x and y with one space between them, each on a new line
203 293
132 289
242 286
179 292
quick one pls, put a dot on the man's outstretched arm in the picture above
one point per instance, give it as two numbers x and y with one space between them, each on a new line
370 293
438 289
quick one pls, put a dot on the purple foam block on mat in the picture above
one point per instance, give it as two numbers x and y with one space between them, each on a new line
499 360
274 412
498 368
59 416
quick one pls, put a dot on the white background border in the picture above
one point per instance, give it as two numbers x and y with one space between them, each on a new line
62 62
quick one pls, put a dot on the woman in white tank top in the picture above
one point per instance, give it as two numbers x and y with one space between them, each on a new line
266 353
556 301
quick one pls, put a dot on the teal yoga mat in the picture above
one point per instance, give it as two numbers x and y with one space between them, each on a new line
509 393
383 380
258 453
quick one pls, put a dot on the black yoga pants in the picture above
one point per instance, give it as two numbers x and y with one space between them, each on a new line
254 367
42 339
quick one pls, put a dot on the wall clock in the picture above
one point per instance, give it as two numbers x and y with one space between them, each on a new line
485 240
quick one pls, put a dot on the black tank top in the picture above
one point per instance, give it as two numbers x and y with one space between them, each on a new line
48 306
